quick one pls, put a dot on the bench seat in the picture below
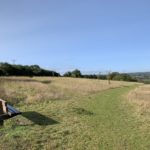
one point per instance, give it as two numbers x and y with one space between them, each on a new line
7 111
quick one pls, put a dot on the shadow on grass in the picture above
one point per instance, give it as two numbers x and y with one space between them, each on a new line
38 118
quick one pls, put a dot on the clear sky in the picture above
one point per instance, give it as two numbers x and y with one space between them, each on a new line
91 35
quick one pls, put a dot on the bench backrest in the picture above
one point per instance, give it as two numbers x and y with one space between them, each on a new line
3 107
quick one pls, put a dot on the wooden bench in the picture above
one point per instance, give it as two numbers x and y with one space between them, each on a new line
7 111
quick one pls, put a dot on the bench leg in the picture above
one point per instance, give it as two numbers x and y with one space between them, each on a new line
1 122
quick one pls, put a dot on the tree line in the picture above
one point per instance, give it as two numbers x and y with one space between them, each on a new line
7 69
111 76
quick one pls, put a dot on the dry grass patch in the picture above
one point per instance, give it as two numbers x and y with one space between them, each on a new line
25 90
30 90
141 98
84 86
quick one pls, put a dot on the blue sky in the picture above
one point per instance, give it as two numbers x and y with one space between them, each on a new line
91 35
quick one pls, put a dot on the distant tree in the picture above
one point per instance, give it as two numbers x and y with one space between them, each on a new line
113 74
1 73
103 77
67 74
36 70
76 73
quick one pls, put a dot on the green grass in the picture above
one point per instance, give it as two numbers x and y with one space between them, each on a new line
98 121
114 124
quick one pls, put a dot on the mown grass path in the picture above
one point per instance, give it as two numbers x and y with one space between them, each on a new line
113 122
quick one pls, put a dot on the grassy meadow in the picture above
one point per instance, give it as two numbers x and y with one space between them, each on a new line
71 113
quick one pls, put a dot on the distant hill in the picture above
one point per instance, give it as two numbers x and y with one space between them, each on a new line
141 76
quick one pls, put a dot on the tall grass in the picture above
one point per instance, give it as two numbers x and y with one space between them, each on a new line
31 90
140 97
